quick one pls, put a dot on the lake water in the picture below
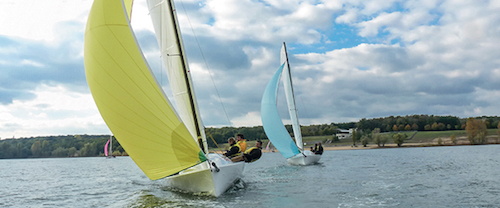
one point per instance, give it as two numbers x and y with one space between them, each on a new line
460 176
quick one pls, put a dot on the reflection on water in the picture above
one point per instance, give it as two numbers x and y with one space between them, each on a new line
462 176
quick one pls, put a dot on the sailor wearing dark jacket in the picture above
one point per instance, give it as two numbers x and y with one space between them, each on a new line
234 149
251 154
319 149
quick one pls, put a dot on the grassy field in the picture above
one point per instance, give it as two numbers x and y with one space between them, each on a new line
424 137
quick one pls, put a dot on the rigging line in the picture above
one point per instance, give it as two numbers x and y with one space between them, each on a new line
206 65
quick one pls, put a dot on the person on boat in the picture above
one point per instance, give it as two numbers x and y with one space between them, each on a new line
234 148
242 142
251 155
319 150
312 149
315 148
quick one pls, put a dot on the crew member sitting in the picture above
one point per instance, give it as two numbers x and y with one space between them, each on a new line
241 142
234 149
319 149
251 154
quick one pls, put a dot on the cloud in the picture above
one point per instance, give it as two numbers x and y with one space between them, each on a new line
349 60
26 64
55 110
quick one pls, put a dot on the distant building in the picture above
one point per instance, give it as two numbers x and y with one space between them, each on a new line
344 134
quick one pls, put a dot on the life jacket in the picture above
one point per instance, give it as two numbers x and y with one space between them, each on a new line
239 150
242 144
250 150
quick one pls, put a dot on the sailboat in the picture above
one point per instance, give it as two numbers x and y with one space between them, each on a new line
164 142
108 148
273 126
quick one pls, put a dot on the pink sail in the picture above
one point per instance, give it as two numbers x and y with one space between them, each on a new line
268 143
106 149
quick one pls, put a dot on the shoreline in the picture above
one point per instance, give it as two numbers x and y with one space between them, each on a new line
374 146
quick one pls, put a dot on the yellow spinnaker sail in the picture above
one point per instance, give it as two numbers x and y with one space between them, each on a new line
128 97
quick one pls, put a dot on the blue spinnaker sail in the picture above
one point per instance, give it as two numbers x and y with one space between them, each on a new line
271 121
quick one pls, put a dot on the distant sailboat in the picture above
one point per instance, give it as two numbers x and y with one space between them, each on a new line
108 148
271 121
163 142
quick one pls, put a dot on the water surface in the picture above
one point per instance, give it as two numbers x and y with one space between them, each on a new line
460 176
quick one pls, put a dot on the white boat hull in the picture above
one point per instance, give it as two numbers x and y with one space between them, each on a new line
205 179
305 158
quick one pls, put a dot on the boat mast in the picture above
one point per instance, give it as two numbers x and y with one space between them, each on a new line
200 133
110 145
287 81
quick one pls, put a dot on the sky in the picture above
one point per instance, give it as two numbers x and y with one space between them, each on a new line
350 59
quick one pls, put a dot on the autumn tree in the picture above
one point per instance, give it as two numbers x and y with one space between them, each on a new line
407 127
414 127
453 139
476 131
427 127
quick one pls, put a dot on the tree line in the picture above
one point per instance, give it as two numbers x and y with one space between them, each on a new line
57 146
93 145
422 123
475 128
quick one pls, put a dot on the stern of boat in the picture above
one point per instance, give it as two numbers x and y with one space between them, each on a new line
305 158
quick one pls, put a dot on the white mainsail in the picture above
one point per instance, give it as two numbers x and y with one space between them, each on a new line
273 126
290 98
170 41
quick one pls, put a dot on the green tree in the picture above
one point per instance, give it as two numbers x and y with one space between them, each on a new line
399 138
36 149
376 137
401 127
72 151
88 150
383 139
364 140
45 148
354 137
60 152
116 153
5 150
498 133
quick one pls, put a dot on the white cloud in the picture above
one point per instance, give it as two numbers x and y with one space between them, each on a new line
42 17
408 57
54 111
